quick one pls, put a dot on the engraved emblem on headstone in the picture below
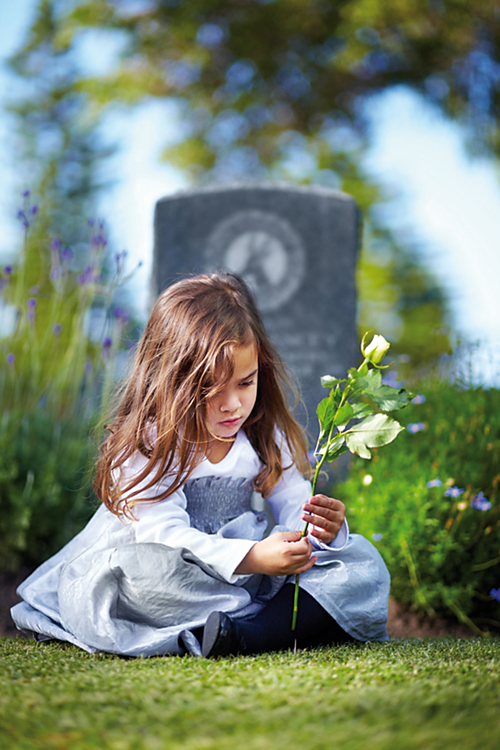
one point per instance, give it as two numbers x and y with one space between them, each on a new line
264 250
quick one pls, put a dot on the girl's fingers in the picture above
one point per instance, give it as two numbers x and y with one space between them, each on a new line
306 566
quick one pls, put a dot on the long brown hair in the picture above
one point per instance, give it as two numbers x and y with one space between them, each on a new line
161 411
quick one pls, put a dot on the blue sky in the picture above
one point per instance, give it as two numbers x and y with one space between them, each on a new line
450 203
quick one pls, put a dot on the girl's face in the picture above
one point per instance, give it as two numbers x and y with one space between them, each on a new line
228 410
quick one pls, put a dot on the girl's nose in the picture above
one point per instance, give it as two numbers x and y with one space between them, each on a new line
229 402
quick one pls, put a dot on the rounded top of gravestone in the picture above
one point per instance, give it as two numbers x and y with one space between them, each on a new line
229 187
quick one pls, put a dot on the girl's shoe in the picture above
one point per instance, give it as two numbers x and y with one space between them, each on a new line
220 636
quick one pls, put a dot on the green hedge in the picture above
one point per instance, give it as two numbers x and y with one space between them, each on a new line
442 552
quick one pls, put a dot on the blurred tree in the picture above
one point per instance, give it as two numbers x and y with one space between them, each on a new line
58 144
280 89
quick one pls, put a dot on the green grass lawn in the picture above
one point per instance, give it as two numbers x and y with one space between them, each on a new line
404 694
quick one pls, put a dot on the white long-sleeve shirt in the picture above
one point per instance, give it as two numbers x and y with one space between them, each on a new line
167 522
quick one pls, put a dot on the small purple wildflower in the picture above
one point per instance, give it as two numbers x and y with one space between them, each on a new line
404 358
22 217
91 222
435 483
67 253
495 593
377 537
480 502
120 261
34 210
54 274
99 240
418 399
32 303
87 276
26 193
56 329
55 244
391 379
35 289
7 270
121 314
415 427
453 492
10 359
107 343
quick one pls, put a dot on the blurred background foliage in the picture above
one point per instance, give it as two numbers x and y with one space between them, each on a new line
269 89
63 339
265 90
430 503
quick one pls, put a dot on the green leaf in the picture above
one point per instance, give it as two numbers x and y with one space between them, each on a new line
343 415
371 381
333 448
376 430
326 413
390 399
328 381
356 445
361 410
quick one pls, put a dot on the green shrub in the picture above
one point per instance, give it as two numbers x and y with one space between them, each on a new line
59 337
45 488
443 552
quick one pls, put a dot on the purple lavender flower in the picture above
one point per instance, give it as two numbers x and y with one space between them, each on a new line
480 502
55 244
120 261
35 289
434 483
99 240
7 270
495 593
56 329
22 217
416 427
107 343
67 253
377 537
453 492
10 359
87 276
31 309
91 222
34 210
26 193
418 399
121 314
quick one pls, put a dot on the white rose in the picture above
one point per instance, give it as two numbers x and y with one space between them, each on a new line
376 349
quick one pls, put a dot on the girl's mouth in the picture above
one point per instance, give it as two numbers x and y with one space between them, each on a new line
230 422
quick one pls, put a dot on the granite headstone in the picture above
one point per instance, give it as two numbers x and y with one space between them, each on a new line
296 247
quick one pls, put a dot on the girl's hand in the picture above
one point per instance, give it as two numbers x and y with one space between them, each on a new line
326 516
283 553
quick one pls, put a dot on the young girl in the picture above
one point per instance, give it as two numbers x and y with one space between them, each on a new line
175 559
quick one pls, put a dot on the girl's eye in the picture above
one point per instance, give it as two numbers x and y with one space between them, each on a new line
247 383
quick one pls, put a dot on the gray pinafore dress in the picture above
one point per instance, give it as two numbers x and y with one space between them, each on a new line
144 599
